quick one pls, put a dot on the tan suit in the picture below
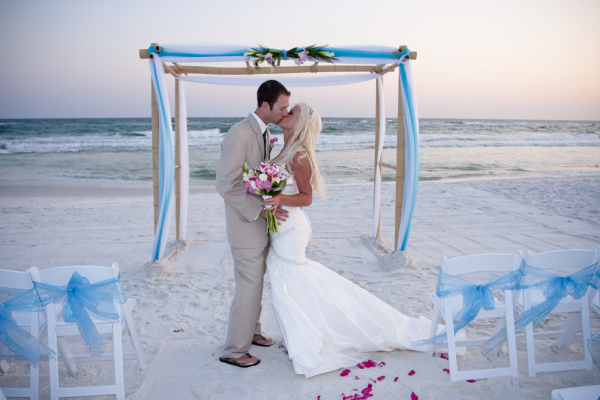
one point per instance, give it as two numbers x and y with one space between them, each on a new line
246 233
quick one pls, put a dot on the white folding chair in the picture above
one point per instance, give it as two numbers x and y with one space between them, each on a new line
29 321
447 308
577 309
58 328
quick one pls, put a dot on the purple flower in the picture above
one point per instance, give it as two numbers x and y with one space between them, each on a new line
273 141
303 56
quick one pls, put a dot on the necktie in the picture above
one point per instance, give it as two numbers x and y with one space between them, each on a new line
265 142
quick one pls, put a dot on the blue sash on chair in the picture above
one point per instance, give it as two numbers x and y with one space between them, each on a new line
555 288
475 297
80 297
15 338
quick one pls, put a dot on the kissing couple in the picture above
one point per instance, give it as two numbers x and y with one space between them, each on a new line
327 321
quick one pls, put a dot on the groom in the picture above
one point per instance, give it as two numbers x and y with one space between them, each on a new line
248 140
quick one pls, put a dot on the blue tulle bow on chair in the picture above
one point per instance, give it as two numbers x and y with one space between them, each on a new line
475 297
80 297
15 338
555 288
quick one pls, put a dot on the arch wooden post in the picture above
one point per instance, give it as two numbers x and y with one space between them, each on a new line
177 160
400 164
155 125
377 138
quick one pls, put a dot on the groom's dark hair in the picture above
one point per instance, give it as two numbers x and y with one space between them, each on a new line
270 91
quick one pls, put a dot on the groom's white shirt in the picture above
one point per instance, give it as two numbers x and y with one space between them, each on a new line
261 124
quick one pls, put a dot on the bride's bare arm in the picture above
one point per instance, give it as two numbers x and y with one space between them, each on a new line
301 169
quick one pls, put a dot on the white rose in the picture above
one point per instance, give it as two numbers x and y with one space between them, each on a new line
253 185
276 180
289 181
263 177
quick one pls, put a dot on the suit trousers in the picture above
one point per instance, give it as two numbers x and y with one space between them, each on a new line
249 266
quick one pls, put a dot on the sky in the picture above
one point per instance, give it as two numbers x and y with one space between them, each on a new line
476 59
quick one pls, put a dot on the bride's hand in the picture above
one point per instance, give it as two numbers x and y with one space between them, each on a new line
273 202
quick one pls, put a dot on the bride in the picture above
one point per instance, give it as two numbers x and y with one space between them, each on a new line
327 321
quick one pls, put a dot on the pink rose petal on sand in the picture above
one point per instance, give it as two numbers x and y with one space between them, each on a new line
356 377
442 355
412 372
381 364
359 365
471 381
318 397
396 379
374 381
381 378
413 396
447 370
345 372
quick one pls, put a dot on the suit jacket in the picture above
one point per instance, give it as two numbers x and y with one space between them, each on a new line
243 142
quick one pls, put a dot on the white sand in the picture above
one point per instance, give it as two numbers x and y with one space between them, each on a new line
194 290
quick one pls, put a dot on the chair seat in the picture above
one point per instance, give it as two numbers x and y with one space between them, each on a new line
23 318
497 312
567 304
103 325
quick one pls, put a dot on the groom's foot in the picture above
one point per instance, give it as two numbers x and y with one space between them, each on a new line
244 361
260 340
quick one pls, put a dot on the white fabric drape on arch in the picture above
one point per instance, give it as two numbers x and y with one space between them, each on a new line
184 164
379 151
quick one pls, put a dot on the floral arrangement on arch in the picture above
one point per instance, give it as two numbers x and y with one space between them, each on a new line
300 55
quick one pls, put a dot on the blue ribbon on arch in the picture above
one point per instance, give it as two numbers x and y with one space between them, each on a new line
339 52
80 297
475 297
555 288
15 338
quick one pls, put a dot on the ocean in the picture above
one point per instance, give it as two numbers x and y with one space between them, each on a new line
118 150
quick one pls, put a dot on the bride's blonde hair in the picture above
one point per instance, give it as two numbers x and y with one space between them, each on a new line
306 131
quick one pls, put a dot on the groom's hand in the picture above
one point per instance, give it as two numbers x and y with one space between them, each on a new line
281 214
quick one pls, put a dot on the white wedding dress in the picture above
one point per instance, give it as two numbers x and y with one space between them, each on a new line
327 321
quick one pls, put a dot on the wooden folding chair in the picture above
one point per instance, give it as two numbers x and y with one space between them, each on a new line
577 309
447 308
58 328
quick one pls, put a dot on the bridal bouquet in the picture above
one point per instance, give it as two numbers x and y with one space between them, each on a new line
267 180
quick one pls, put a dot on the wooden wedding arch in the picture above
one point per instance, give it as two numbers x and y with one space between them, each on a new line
179 71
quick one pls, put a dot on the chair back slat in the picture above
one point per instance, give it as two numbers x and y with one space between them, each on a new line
481 263
60 276
15 280
562 258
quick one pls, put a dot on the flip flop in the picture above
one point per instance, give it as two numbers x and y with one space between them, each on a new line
263 338
232 361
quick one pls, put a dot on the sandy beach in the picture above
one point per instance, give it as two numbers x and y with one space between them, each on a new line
50 226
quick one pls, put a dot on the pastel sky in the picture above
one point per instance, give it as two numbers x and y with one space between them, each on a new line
506 59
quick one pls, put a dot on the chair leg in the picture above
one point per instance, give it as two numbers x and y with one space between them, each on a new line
65 353
585 327
134 336
501 324
568 331
34 370
434 325
118 351
53 358
451 343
